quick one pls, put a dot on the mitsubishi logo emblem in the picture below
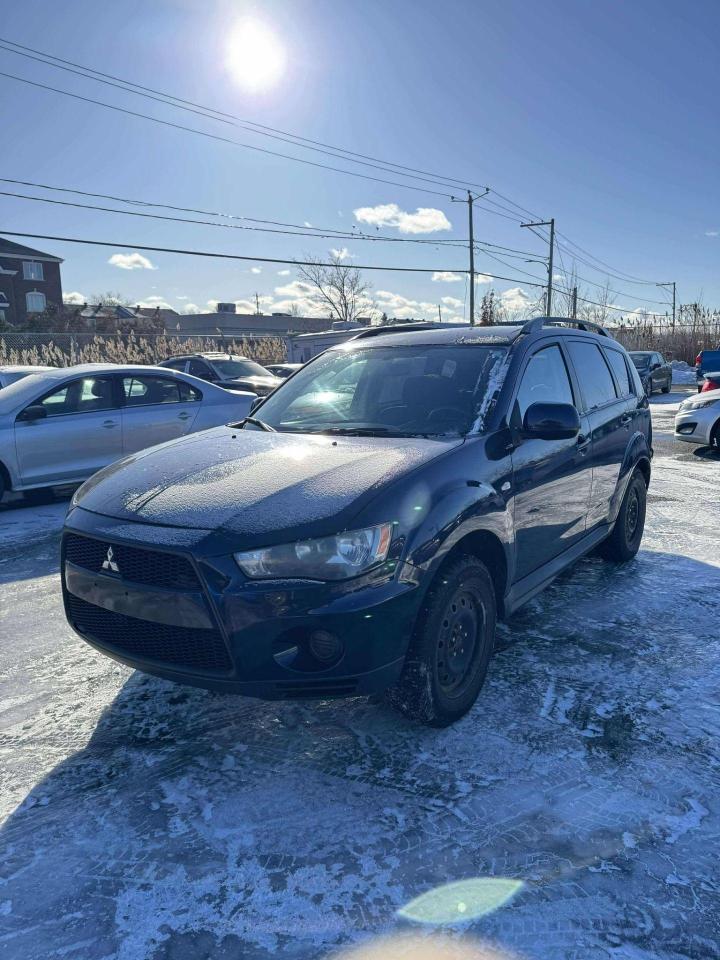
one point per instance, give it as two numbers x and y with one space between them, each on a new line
109 562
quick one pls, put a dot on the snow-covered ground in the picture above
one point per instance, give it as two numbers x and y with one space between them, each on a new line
146 820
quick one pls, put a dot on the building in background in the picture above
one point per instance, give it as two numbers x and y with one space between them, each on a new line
29 282
227 323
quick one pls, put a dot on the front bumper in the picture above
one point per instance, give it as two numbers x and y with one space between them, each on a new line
695 426
173 609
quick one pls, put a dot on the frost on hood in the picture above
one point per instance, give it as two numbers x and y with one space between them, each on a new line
496 378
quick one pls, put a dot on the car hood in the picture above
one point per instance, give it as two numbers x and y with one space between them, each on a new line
255 381
254 484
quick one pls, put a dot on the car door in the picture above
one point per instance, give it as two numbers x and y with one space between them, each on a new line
79 432
609 421
551 478
156 408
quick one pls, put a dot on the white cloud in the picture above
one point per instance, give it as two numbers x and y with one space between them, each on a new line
192 308
446 276
424 220
452 302
155 302
131 261
516 298
296 288
483 278
307 223
154 299
283 273
342 254
74 298
182 298
712 233
255 269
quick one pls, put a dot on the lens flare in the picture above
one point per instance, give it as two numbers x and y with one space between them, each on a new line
255 56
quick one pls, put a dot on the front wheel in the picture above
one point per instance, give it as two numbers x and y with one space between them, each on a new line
624 541
451 646
666 388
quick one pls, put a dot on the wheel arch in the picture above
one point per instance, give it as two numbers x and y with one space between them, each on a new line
5 476
487 547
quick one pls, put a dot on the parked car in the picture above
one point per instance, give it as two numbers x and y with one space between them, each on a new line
322 550
283 370
226 370
698 419
707 363
711 381
61 426
12 372
655 372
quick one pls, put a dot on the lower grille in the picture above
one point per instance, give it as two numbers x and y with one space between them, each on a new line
138 565
174 646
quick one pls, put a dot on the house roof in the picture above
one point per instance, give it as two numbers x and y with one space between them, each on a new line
8 248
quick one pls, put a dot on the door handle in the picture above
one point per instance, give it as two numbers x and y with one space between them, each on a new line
183 416
625 419
109 424
583 442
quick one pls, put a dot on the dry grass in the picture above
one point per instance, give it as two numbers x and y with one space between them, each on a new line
132 349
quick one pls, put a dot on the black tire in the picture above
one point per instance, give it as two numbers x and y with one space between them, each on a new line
647 387
666 388
715 438
3 486
39 496
452 643
624 541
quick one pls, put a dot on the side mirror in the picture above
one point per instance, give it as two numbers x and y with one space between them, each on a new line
551 421
34 412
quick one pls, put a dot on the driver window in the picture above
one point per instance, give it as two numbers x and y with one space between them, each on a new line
80 396
545 380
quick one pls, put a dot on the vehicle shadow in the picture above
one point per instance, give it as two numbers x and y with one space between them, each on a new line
706 453
188 823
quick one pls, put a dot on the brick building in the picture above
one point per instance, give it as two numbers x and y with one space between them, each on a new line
29 282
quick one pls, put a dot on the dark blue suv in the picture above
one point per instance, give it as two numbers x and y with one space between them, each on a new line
362 531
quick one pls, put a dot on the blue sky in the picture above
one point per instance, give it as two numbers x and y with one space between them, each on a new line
601 114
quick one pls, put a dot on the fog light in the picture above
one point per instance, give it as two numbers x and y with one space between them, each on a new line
325 646
687 428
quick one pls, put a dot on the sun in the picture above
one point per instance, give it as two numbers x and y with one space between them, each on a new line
256 57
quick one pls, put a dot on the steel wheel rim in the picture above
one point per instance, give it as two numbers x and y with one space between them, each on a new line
632 516
460 636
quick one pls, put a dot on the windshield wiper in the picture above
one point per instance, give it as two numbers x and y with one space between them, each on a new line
370 432
255 422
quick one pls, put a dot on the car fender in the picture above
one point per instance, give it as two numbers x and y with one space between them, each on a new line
638 452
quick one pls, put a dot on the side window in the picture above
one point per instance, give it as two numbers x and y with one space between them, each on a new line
80 396
35 302
545 380
593 373
619 368
143 391
198 368
188 393
177 365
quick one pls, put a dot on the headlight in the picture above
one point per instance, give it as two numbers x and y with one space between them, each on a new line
696 404
329 558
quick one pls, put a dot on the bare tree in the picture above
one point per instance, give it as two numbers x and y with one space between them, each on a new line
341 288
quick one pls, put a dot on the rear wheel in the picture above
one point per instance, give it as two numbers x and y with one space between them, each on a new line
624 541
3 485
666 388
451 647
647 387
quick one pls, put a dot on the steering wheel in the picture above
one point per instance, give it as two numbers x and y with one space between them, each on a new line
448 413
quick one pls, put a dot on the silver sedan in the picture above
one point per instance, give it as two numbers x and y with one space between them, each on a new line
698 419
62 425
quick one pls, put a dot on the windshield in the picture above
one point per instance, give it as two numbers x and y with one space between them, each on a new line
640 359
395 391
228 369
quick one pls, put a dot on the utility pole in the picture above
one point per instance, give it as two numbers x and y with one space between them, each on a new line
548 296
439 314
574 303
257 305
471 242
670 283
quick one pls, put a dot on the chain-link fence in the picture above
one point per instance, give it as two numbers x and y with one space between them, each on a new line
65 349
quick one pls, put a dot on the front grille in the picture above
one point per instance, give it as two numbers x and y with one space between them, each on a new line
315 689
133 563
174 646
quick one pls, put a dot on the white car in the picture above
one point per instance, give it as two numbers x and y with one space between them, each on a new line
698 419
16 371
61 426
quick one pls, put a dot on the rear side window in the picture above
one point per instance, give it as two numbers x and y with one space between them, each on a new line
545 380
144 391
593 373
619 368
198 368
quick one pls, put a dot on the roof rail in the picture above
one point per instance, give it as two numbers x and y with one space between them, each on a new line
537 323
381 330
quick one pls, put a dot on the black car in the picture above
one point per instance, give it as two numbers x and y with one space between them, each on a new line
366 526
655 372
226 370
283 370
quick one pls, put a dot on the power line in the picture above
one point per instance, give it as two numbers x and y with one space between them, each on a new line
216 136
219 114
235 256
